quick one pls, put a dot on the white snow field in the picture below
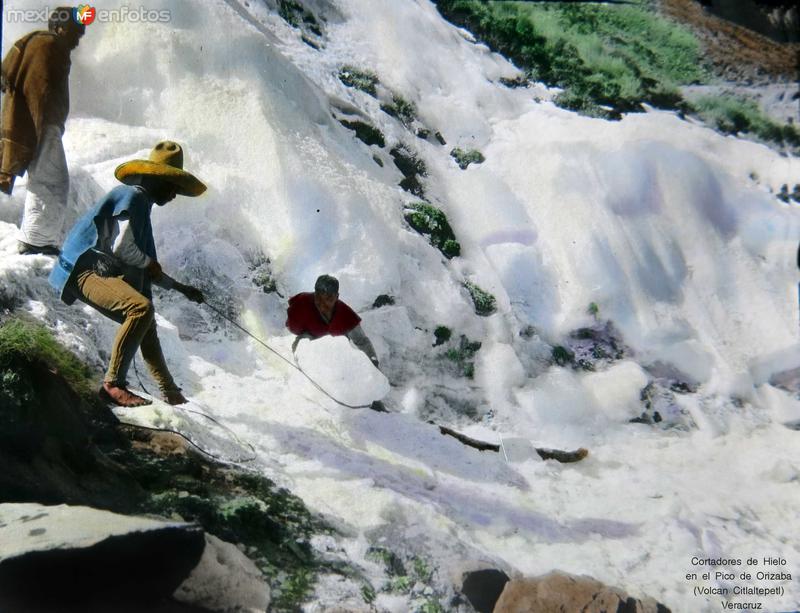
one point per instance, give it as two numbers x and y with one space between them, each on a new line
669 228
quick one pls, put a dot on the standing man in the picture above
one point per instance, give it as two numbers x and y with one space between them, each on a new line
314 315
109 262
35 84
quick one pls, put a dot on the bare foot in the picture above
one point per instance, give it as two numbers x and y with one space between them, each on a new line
121 396
173 397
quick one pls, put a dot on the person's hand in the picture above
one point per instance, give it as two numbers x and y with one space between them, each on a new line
6 183
154 270
300 337
192 293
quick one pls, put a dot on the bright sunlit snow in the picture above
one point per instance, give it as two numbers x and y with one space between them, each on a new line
669 228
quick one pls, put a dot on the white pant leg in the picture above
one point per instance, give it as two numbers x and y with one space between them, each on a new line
48 189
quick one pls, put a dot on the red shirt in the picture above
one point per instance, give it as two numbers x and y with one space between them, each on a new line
304 318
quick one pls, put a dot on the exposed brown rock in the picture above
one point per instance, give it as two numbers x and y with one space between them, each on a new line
559 592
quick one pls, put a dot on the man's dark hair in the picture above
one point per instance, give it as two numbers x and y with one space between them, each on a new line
64 17
326 284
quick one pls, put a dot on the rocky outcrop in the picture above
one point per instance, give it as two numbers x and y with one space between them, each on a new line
225 580
483 587
49 437
557 592
78 558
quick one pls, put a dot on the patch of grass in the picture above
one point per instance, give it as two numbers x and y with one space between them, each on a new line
593 309
368 593
733 115
30 341
466 157
431 606
401 109
608 58
562 356
392 562
464 356
442 335
243 508
485 303
298 16
369 135
412 168
364 80
431 222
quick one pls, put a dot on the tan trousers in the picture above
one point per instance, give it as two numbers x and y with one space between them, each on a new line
118 300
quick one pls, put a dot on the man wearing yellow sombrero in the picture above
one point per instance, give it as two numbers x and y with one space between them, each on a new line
109 262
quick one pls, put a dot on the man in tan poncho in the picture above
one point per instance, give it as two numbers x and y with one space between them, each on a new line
35 84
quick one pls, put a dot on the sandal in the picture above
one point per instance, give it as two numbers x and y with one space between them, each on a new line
121 396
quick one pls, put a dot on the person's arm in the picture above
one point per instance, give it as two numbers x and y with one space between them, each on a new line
45 86
362 342
126 249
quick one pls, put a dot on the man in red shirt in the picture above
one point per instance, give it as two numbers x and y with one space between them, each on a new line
312 315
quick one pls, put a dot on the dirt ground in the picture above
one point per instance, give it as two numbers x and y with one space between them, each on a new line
736 53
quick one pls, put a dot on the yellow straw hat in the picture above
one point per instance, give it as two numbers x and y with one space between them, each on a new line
166 162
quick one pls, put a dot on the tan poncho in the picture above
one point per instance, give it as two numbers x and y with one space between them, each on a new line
35 94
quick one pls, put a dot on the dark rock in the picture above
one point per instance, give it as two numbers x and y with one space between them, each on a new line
88 556
518 81
382 300
483 588
440 138
591 348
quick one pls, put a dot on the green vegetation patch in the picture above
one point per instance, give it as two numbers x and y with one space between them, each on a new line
403 576
466 157
28 341
733 115
244 508
364 80
298 16
261 273
608 58
485 303
369 135
463 356
431 222
442 334
411 167
401 109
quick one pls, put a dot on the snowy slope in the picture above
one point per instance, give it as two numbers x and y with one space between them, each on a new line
669 228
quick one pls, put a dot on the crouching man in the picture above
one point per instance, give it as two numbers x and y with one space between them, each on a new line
109 262
312 315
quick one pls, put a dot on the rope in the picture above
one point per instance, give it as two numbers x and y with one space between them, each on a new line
290 363
225 428
216 457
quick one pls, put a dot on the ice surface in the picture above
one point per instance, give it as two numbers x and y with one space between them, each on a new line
666 226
